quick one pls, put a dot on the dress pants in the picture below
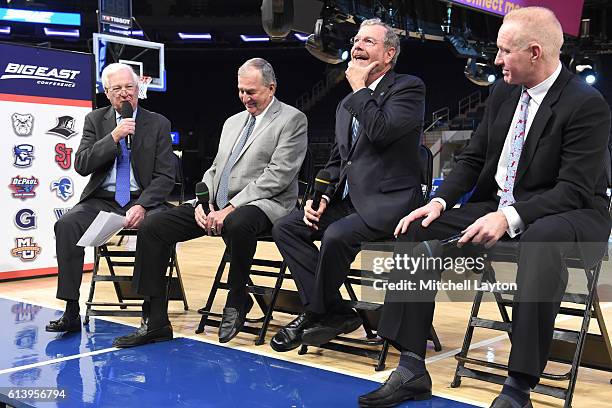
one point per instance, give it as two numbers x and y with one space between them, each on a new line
319 273
68 230
160 232
541 279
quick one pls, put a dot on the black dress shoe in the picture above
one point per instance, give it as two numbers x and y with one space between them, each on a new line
64 324
501 402
144 335
393 392
329 327
233 321
290 336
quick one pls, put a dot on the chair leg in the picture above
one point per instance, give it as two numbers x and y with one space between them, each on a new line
174 264
382 357
213 291
433 336
264 326
92 285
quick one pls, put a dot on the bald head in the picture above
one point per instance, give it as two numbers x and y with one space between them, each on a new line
536 25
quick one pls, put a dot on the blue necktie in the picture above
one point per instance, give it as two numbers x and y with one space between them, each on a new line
354 133
223 190
122 180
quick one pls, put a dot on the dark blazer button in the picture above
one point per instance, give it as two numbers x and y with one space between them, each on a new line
349 163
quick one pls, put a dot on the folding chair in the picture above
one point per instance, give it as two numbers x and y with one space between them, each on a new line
124 258
266 297
572 347
370 311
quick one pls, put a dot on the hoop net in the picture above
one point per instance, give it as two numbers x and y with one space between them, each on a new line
143 85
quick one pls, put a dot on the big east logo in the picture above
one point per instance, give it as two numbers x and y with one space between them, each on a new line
23 187
63 156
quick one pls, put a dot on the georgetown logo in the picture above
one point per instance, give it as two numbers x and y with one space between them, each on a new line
63 188
23 187
42 75
25 249
23 124
25 219
24 153
63 156
60 211
64 127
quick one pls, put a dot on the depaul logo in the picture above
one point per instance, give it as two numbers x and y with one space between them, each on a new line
23 187
42 75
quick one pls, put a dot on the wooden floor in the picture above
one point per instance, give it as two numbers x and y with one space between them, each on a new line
198 261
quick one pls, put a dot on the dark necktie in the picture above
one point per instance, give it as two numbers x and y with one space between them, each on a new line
354 133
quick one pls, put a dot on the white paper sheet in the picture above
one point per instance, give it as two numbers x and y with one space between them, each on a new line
103 228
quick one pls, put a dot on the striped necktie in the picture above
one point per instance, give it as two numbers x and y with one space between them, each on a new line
354 133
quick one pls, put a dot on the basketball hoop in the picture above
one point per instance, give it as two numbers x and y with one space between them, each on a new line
143 85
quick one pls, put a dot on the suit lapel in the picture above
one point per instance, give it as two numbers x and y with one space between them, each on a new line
143 124
380 93
539 123
501 124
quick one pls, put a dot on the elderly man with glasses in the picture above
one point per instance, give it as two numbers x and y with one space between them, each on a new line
127 180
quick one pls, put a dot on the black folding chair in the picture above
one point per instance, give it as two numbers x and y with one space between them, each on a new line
266 297
370 311
571 347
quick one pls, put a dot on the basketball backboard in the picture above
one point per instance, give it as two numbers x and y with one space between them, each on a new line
145 57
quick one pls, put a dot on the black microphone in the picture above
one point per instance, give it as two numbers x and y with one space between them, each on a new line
320 186
201 192
127 112
435 247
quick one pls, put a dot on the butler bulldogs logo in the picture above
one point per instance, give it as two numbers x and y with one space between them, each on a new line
23 124
24 153
60 211
64 127
25 249
63 188
23 187
63 156
25 219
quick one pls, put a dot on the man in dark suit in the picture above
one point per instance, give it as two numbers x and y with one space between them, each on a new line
536 162
374 178
252 182
130 182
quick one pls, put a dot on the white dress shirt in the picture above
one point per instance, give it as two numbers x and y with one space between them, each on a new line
536 94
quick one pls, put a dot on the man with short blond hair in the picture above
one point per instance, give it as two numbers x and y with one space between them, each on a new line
536 165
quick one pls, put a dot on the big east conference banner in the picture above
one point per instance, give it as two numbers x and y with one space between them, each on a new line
44 97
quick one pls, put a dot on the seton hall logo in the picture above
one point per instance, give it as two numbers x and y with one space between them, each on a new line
25 249
23 187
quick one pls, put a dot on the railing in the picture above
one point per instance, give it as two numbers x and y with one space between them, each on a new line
465 104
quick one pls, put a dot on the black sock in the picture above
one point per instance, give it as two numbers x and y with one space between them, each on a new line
72 309
158 316
516 389
410 365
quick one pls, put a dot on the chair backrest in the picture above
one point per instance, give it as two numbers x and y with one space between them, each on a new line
305 178
426 170
178 177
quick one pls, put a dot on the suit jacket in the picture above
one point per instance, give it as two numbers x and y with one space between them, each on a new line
151 155
562 165
383 168
265 173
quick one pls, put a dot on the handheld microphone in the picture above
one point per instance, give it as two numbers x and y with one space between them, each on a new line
201 192
435 247
127 112
320 186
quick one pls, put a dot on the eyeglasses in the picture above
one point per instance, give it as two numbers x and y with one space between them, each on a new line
117 89
367 41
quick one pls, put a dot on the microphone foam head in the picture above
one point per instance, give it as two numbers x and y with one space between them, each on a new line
322 181
126 109
201 189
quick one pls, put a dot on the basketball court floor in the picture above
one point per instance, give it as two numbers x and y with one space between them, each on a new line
196 371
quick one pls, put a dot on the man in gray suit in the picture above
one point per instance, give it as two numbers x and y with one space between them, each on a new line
252 182
131 181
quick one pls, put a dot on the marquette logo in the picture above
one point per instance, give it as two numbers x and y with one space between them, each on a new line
42 75
25 249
